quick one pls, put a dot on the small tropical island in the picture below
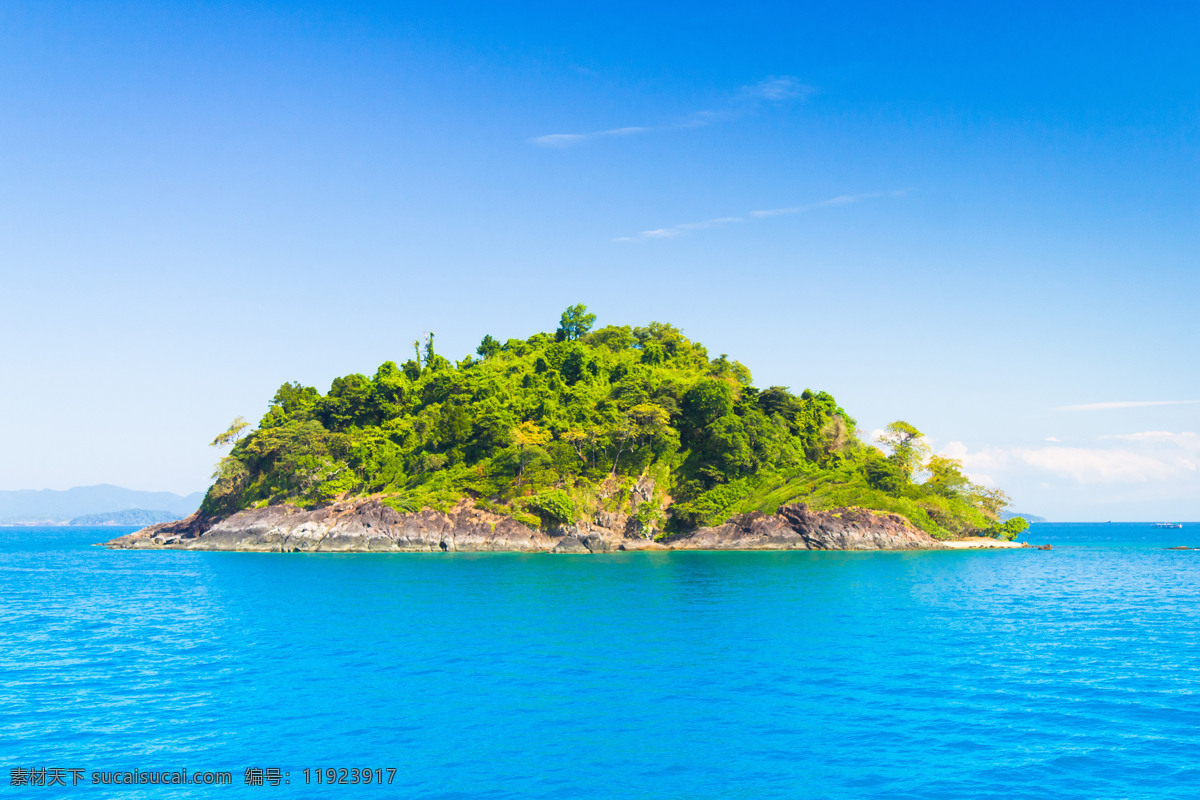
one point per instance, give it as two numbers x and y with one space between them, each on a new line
576 441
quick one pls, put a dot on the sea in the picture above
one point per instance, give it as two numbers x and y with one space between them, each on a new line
1067 673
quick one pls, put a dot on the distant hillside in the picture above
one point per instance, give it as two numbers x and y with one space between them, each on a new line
59 507
1028 517
129 516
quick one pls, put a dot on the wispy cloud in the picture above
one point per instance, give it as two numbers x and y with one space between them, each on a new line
840 200
773 90
1125 404
571 139
674 231
678 230
1187 439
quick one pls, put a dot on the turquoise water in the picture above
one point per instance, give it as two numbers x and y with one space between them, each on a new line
1073 673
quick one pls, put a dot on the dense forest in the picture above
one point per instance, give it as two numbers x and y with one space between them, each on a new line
553 429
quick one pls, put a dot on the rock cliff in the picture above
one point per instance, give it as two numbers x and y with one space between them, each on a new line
796 527
370 526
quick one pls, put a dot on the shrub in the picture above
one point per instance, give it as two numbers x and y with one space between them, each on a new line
552 507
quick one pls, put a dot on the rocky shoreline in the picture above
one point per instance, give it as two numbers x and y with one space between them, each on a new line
369 525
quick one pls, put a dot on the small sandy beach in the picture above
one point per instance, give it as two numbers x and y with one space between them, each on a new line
981 541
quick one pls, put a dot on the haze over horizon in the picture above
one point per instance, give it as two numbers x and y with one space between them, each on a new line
981 221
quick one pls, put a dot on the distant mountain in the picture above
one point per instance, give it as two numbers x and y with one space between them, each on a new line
130 516
1004 515
60 507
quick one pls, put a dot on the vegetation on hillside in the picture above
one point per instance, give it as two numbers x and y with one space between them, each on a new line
562 426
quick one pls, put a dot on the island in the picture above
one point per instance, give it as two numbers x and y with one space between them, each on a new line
578 441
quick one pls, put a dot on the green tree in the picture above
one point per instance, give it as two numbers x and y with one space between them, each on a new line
946 477
882 474
574 323
225 494
231 434
584 442
729 447
706 402
990 501
1010 529
530 439
722 367
351 400
553 507
638 428
488 347
392 389
908 447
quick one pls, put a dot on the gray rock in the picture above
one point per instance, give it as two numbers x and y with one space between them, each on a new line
571 544
370 526
796 527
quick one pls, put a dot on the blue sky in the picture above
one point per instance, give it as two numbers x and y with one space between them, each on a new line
982 221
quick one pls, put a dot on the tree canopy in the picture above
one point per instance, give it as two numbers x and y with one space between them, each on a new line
550 429
575 323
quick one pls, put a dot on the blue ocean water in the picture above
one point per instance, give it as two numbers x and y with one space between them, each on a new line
1073 673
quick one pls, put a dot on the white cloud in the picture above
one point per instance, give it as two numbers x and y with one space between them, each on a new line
1150 456
980 465
774 90
1053 439
675 230
1088 465
954 450
1124 404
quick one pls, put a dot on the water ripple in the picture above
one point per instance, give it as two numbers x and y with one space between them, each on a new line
1073 673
